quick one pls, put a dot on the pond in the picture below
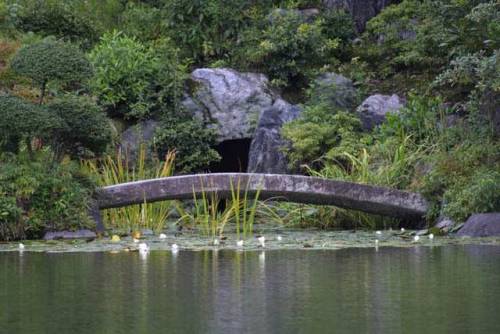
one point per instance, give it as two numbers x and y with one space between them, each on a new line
452 288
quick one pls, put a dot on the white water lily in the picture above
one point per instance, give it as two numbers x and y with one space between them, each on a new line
378 233
431 236
143 247
21 246
279 238
162 236
416 238
175 248
402 229
376 242
239 243
262 241
216 242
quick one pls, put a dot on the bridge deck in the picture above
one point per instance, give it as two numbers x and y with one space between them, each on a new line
291 188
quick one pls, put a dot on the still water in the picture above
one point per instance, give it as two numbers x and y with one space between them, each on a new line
449 289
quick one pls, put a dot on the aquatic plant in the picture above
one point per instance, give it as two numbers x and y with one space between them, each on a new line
120 169
212 214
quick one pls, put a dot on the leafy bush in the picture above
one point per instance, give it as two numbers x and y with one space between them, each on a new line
57 19
465 178
51 60
131 77
289 49
83 129
425 35
190 139
22 121
322 133
38 196
207 30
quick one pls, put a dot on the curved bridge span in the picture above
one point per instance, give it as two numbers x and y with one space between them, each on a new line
291 188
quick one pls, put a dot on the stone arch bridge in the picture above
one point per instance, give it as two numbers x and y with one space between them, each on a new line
292 188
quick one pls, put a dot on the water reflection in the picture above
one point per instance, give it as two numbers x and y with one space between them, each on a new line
439 289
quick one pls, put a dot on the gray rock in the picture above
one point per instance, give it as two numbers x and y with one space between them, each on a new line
375 108
361 10
134 136
445 224
80 234
230 100
481 225
335 90
266 154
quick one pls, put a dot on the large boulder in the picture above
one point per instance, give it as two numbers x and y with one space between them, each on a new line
481 225
374 109
231 101
335 90
266 154
133 137
361 10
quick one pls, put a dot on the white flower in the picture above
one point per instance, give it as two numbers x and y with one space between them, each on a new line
135 240
431 236
378 232
239 243
279 238
216 242
402 229
175 248
143 247
416 238
162 236
262 241
21 246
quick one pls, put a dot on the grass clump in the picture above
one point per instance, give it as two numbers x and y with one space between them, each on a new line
120 168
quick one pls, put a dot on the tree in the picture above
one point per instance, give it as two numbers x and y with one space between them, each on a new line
51 60
23 121
82 129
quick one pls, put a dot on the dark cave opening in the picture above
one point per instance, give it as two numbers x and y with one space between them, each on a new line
234 156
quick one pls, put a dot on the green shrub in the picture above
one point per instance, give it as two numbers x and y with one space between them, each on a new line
38 196
142 22
190 139
209 30
21 122
131 78
465 178
322 133
51 60
478 194
83 129
58 19
423 36
289 49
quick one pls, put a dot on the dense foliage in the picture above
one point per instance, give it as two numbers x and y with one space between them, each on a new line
66 66
38 196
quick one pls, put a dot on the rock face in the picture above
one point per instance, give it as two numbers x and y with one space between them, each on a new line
265 150
334 89
230 100
481 225
374 109
134 136
80 234
242 106
361 10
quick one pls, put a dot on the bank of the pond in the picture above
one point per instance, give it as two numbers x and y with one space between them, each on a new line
275 239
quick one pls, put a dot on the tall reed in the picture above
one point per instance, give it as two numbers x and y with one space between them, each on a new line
120 169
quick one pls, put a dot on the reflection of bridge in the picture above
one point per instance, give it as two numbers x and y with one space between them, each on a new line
291 188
